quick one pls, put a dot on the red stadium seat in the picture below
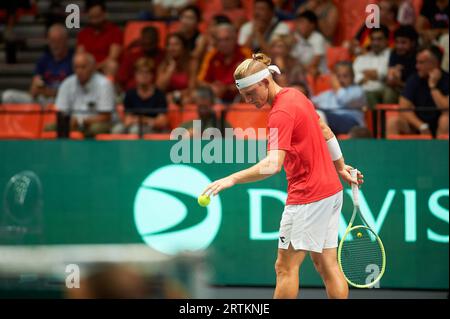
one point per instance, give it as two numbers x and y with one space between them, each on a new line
343 136
244 116
319 83
157 136
336 54
291 24
74 135
390 113
133 31
113 137
409 137
442 137
20 121
175 26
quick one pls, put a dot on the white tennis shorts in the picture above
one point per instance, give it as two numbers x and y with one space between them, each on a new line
313 226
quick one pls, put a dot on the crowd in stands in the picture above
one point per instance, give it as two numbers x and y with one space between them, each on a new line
401 62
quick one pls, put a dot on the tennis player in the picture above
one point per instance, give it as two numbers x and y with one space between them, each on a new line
313 161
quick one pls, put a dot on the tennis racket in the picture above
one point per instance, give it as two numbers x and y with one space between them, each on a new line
361 253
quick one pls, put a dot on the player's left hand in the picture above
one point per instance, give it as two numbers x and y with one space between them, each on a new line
219 185
345 175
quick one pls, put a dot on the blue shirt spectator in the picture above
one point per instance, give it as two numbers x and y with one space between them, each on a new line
342 106
51 70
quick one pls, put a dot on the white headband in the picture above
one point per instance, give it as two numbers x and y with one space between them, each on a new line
256 77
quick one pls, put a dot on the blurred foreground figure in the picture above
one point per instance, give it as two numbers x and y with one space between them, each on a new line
112 281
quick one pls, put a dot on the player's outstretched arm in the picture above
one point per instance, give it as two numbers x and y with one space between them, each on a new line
270 165
337 157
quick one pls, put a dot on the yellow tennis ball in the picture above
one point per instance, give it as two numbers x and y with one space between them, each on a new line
203 200
359 235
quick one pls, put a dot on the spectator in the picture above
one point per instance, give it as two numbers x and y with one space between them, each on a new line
358 132
402 62
371 68
443 44
388 17
280 52
327 16
101 38
190 18
344 103
433 20
146 99
7 35
427 88
406 14
302 87
232 9
84 93
310 45
204 99
219 64
146 46
256 34
176 73
167 9
51 69
286 9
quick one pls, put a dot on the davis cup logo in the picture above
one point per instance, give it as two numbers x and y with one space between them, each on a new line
166 212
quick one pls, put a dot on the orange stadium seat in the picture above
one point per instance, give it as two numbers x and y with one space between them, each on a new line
178 115
16 122
290 24
442 137
409 137
319 84
389 114
157 136
74 135
112 137
336 54
175 26
133 31
242 115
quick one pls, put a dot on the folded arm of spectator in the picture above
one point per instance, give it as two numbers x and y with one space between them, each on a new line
351 97
411 117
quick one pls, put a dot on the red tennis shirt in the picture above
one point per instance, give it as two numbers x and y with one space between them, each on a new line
309 169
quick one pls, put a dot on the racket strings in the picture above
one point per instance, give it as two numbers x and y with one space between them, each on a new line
361 257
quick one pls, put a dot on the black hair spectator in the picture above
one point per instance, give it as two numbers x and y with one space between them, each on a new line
269 4
194 9
382 28
435 51
89 4
406 31
308 15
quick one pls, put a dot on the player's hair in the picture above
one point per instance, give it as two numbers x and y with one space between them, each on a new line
258 62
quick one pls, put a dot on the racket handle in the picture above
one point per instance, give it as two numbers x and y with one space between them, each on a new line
355 189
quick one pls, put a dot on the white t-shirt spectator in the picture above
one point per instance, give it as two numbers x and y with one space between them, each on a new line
97 95
443 43
372 61
305 50
171 3
246 30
